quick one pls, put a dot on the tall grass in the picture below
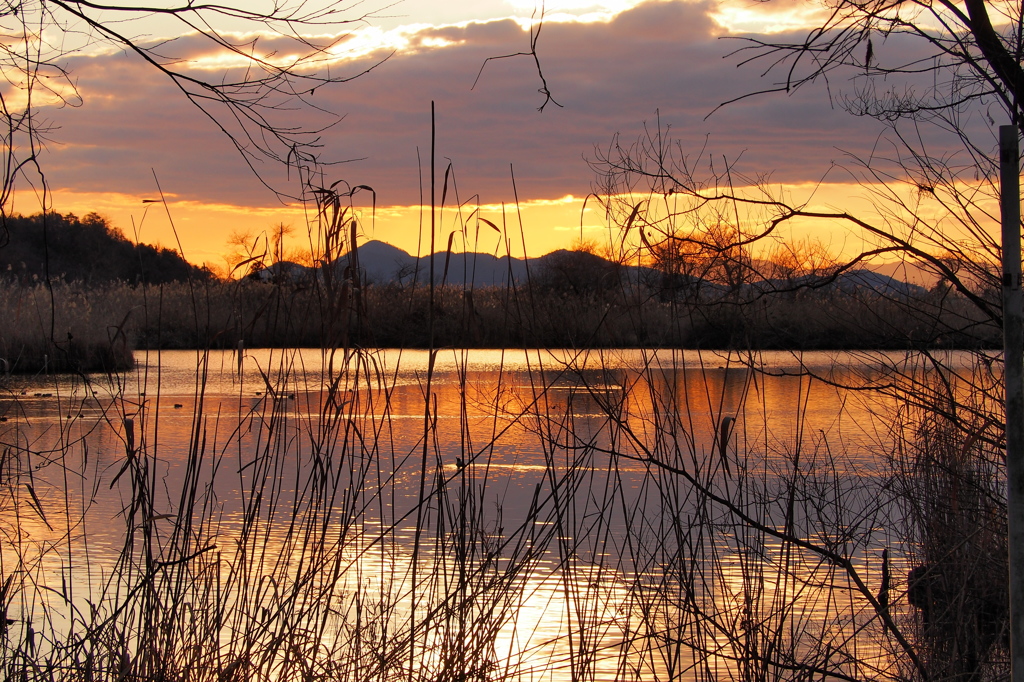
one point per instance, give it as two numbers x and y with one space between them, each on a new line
327 543
951 477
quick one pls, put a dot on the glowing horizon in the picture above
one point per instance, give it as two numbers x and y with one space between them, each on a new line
531 229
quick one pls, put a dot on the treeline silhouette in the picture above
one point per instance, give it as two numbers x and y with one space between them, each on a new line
88 250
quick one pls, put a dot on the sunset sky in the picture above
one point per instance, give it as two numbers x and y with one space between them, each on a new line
614 67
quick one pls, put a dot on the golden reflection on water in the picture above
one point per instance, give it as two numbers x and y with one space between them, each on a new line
548 449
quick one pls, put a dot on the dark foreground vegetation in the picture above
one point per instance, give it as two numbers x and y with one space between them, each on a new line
689 536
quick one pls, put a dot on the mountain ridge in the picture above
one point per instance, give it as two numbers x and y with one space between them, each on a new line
382 263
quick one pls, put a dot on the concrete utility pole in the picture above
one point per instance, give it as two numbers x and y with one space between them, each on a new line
1013 374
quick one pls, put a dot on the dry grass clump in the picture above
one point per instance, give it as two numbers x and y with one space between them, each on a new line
68 327
951 484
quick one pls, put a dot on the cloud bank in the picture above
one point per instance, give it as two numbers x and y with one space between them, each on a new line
664 60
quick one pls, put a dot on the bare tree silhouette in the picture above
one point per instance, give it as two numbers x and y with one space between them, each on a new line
252 103
938 75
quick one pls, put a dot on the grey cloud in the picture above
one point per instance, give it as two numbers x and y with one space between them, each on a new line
610 78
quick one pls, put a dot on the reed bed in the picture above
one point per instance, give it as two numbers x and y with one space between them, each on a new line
66 328
69 326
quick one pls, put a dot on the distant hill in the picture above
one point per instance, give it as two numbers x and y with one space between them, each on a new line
381 263
878 282
87 250
848 282
577 273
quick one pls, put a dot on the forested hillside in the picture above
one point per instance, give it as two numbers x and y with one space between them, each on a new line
87 250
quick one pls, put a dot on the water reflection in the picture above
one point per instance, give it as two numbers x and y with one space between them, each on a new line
522 514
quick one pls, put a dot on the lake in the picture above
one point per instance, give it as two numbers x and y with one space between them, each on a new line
460 514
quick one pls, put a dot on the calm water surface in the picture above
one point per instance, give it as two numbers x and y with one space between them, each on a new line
413 458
